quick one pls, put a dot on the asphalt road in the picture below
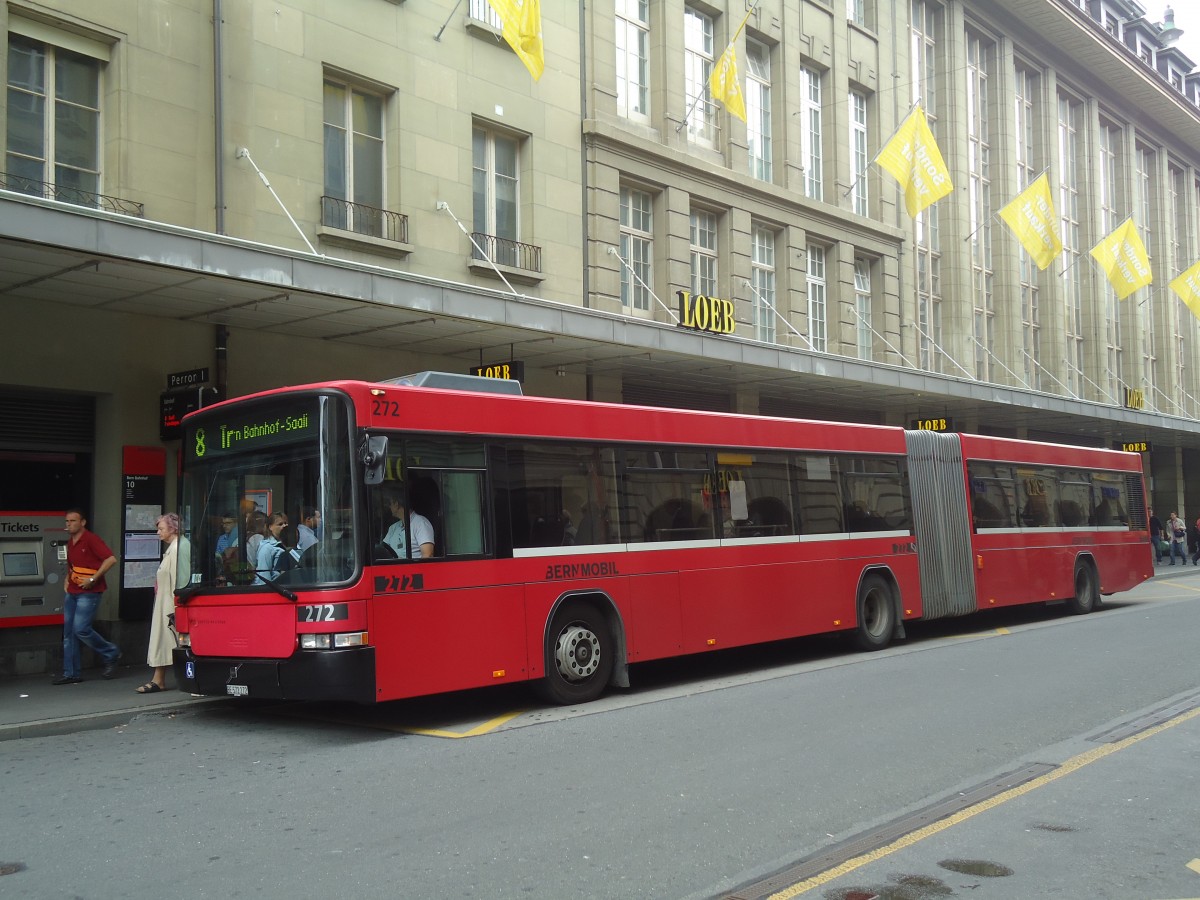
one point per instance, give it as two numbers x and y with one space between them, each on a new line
707 776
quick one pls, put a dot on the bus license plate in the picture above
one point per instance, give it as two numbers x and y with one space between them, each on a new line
237 690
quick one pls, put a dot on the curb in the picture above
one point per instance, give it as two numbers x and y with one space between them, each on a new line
93 721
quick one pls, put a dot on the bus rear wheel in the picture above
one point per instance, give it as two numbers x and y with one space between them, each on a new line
579 655
1087 591
876 614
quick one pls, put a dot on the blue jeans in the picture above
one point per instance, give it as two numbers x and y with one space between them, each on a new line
1181 550
78 612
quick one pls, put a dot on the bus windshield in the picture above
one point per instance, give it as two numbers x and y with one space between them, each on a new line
267 497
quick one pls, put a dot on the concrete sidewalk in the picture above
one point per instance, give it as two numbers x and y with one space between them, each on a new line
30 706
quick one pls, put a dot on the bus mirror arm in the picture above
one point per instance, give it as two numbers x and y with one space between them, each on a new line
373 455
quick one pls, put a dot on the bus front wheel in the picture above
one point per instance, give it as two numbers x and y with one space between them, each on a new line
1087 592
876 614
579 655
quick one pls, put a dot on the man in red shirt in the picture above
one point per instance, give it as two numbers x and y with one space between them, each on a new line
88 558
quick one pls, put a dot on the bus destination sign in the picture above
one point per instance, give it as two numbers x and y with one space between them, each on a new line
243 431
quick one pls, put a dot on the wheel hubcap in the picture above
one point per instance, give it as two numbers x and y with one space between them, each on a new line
577 653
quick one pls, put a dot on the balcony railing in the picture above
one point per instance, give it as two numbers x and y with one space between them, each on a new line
77 196
362 219
505 252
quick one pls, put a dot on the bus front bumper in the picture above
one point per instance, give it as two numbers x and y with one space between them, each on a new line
347 674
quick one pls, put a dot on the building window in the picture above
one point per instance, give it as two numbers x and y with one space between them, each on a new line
810 133
495 188
816 298
758 109
1107 188
1177 218
858 152
53 135
1027 92
697 67
859 12
862 306
704 253
927 249
353 157
633 58
1144 160
762 279
637 244
481 11
979 56
1069 114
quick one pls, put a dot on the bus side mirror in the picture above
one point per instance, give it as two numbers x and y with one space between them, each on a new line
373 455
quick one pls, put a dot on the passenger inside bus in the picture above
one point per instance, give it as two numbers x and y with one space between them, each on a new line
409 535
677 520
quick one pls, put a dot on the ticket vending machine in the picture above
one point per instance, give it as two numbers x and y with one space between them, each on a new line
33 568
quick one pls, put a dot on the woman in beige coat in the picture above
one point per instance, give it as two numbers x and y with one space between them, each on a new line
162 635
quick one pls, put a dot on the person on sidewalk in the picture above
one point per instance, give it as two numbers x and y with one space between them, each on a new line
1156 536
162 628
88 559
1177 535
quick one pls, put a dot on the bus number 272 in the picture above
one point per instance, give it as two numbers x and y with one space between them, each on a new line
323 612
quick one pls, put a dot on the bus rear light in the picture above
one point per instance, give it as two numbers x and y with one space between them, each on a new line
327 641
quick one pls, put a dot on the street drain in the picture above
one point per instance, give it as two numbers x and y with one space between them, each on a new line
980 867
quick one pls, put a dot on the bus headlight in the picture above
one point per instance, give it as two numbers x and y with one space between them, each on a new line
326 641
185 640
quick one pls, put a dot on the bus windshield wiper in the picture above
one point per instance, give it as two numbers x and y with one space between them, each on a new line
281 590
183 595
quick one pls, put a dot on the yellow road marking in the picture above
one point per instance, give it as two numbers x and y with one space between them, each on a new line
474 732
1194 865
1071 765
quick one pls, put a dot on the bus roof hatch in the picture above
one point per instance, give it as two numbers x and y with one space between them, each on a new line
455 382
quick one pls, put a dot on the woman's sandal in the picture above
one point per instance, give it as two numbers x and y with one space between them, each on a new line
149 688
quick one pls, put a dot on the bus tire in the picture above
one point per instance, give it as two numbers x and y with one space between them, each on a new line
1087 591
876 610
579 654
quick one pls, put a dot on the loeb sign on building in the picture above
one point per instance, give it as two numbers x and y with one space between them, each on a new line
702 313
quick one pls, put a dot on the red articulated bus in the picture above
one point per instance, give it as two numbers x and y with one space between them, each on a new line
368 542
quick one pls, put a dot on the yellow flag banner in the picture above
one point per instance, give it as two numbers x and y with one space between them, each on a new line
521 22
1122 256
725 84
912 156
1032 218
1187 286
